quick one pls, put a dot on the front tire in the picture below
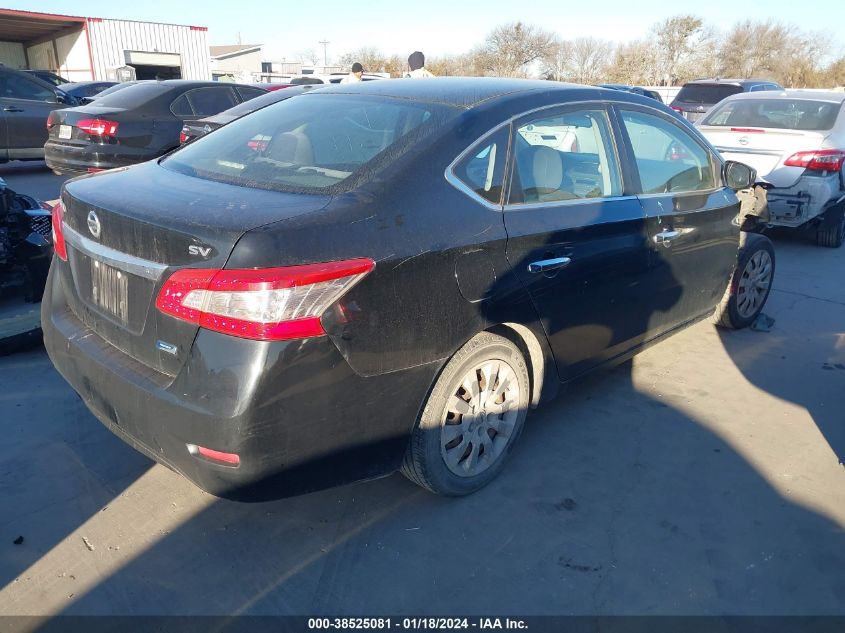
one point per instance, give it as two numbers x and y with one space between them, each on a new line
472 418
750 283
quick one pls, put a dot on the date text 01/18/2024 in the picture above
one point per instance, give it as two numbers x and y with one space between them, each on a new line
423 623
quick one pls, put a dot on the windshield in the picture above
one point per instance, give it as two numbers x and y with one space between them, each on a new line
130 96
787 114
312 143
706 93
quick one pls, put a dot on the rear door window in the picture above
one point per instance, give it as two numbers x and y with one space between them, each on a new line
211 100
482 170
248 93
668 158
567 156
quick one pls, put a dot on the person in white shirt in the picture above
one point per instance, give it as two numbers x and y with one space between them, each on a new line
416 62
355 75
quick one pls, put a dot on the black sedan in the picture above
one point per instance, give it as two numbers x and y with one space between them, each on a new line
390 279
81 91
194 129
137 123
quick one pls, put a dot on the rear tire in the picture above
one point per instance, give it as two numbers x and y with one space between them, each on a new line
834 234
750 284
472 418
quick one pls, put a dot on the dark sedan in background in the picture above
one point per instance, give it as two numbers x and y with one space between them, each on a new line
194 129
80 91
637 90
137 123
391 280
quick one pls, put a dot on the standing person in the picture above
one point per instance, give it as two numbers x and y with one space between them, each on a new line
355 75
416 62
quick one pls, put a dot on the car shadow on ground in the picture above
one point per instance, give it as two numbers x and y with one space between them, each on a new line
629 494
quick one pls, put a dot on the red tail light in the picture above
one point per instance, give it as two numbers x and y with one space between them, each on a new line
59 246
98 127
676 108
818 160
263 303
182 136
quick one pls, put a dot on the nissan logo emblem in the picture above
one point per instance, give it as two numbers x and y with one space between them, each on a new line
94 224
743 140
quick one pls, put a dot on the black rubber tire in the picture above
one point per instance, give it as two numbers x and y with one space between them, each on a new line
726 314
833 235
423 463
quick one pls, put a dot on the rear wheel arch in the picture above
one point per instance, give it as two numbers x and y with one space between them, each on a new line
534 354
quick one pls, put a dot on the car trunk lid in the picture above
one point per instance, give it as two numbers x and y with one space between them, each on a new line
129 230
764 149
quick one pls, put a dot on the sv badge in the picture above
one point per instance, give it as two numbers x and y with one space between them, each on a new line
202 251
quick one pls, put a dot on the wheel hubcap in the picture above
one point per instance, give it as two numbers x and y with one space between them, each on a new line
754 284
480 417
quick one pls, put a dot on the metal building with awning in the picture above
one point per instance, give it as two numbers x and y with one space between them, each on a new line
82 48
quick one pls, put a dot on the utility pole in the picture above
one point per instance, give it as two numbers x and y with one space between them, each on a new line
324 43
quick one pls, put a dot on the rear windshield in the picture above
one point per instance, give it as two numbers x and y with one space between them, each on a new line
786 114
706 93
131 96
315 143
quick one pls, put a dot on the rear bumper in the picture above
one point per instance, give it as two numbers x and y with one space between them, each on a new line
294 411
805 201
79 159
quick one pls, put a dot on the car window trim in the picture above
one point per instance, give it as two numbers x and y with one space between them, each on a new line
715 162
233 93
464 188
603 105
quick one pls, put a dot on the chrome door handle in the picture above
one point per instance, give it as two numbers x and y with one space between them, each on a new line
545 265
12 109
665 237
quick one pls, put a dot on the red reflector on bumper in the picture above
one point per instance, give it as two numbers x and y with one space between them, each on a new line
218 457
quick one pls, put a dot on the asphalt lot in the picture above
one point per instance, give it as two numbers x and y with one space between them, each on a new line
702 478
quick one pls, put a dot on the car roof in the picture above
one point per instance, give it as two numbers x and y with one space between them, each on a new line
814 95
463 92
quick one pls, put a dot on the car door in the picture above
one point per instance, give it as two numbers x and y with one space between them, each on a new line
575 239
692 236
26 104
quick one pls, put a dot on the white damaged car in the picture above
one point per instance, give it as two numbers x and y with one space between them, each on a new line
795 140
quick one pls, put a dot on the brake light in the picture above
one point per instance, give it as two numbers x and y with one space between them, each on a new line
183 136
818 160
264 303
59 246
676 108
98 127
748 130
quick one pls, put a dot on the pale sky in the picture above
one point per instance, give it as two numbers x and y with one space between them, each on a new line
435 27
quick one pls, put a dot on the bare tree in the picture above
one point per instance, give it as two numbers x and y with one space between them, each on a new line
677 38
509 49
554 63
589 60
370 57
307 56
635 63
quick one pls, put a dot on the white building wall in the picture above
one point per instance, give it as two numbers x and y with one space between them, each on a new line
74 59
11 55
111 38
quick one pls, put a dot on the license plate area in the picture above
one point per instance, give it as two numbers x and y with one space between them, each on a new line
65 131
110 290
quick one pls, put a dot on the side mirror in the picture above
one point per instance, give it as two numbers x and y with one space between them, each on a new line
61 97
738 176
